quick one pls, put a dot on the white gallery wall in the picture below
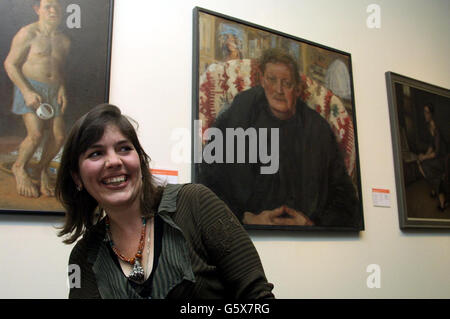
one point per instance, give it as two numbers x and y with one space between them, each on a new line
151 80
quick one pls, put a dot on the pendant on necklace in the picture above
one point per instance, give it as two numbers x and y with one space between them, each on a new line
137 274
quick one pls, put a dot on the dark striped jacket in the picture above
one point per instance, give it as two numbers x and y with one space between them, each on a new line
205 254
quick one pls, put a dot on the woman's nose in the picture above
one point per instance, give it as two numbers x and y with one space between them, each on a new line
112 160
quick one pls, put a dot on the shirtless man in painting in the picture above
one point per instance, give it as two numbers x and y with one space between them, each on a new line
35 65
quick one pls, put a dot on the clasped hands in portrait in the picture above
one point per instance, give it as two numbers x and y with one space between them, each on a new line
283 215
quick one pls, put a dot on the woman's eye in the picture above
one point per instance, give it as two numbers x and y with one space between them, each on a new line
125 148
94 154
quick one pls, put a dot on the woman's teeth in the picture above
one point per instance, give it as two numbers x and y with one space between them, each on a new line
118 179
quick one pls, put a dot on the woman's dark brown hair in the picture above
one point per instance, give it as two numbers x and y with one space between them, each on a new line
80 206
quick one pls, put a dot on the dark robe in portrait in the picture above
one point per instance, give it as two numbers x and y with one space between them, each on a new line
311 178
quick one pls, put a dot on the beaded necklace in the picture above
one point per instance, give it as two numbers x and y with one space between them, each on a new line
137 274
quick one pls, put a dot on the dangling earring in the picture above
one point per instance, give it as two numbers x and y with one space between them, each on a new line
79 188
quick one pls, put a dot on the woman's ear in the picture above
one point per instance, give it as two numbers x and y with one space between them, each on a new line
77 180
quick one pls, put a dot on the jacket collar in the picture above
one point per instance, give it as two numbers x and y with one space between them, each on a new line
169 198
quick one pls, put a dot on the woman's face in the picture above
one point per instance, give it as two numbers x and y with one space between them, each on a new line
110 171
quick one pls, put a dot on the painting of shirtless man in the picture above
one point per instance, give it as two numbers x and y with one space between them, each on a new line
55 64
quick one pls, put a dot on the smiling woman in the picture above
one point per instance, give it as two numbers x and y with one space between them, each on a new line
82 154
110 171
176 241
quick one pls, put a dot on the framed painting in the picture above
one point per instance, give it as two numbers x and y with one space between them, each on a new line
55 66
274 131
420 116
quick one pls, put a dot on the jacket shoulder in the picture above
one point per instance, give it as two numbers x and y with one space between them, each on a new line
83 249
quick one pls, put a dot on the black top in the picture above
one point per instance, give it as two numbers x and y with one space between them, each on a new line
145 289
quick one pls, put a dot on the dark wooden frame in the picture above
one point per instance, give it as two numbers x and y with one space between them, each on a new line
195 107
406 172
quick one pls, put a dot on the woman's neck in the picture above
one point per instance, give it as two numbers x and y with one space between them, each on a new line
125 221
